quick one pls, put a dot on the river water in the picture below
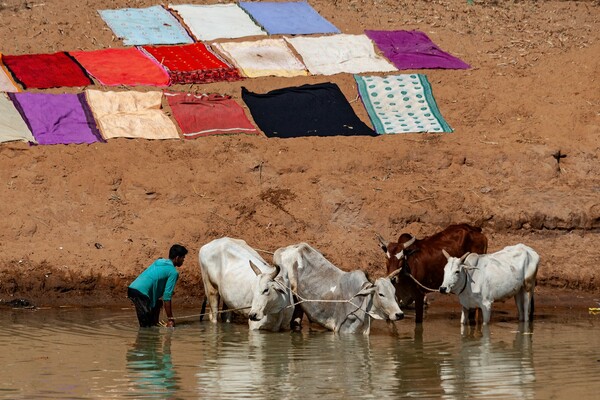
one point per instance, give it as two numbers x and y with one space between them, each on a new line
71 353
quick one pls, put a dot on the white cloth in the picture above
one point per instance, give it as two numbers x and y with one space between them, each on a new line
130 114
209 22
329 55
267 57
12 126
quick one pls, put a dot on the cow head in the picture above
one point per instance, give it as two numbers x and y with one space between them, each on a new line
454 273
396 252
269 296
385 305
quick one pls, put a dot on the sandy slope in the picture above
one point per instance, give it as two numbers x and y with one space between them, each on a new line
84 220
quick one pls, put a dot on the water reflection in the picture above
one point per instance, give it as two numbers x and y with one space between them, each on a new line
149 364
482 360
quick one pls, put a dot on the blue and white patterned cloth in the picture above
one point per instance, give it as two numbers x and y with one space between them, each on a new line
151 25
401 104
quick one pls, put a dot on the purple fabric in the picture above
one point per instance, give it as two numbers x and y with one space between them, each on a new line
413 50
57 118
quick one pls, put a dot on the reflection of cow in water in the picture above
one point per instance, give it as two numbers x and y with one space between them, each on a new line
422 261
17 303
486 368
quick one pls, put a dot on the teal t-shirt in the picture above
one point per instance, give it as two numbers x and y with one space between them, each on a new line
158 280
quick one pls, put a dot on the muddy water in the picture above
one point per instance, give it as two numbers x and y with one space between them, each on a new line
99 353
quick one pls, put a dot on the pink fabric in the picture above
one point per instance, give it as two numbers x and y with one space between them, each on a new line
204 115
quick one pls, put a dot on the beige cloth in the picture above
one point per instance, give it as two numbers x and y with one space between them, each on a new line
267 57
6 82
130 114
329 55
12 126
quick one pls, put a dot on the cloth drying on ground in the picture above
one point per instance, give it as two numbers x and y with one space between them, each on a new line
328 55
209 22
292 18
151 25
267 57
113 67
401 104
192 63
57 118
131 114
413 50
7 84
307 110
43 71
204 115
12 125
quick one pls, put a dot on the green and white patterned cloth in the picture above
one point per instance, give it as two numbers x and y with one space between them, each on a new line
401 104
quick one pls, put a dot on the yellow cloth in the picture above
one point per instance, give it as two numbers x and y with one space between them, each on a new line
130 114
268 57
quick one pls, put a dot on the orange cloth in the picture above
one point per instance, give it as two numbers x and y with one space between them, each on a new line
113 67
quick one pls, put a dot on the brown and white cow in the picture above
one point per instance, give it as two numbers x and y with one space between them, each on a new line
422 261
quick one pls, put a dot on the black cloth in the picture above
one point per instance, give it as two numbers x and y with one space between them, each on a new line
307 110
147 315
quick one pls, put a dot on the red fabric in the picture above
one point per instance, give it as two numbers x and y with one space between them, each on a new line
113 67
44 71
204 115
193 63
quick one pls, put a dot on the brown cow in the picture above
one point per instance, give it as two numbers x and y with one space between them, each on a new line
422 260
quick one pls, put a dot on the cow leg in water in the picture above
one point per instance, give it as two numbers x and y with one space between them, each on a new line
419 304
225 315
472 316
486 310
465 316
203 310
296 322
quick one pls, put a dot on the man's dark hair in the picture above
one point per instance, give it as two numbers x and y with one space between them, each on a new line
177 250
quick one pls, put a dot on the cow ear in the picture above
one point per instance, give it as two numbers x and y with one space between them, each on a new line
446 254
255 268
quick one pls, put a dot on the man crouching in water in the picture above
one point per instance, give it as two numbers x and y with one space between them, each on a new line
155 286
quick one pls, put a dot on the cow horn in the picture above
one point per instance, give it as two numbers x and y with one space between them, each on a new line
382 242
464 256
446 254
411 241
394 273
276 272
256 270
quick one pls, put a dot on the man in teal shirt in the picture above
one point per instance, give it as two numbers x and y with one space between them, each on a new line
155 286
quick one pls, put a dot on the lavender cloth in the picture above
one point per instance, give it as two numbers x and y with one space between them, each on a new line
57 118
413 50
291 18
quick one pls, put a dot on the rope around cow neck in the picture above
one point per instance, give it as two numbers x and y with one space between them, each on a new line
292 304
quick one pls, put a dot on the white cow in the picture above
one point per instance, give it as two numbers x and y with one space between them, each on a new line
343 302
479 280
235 272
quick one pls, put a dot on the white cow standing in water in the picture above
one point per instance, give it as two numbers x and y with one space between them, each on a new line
235 272
344 302
481 279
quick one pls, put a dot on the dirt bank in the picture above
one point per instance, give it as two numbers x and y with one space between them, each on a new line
80 221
